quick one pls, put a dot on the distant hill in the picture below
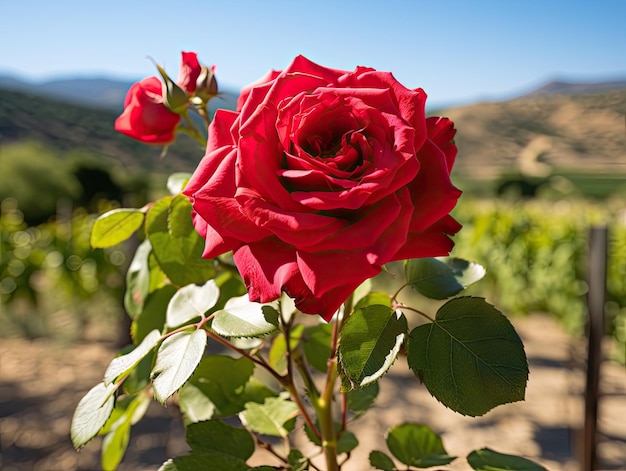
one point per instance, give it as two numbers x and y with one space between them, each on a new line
559 87
580 130
96 92
79 129
572 126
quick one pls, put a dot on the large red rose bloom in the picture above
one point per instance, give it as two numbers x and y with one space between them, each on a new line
321 177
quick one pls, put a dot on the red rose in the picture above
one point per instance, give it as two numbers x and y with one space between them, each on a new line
190 70
245 92
145 117
322 177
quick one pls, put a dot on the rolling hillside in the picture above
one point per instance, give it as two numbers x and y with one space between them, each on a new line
581 132
572 127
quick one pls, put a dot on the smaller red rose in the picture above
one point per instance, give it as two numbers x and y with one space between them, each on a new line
145 116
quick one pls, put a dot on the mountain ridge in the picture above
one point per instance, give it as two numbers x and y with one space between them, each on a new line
109 92
582 130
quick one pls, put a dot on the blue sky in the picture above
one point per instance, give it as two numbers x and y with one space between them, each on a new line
458 51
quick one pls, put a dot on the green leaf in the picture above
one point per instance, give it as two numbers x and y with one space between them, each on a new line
204 462
176 182
371 299
489 460
194 404
316 345
139 376
115 226
122 364
442 277
241 318
370 341
273 417
127 409
153 314
91 414
175 243
177 358
380 460
296 459
471 359
222 380
126 413
138 280
271 315
417 445
278 351
347 442
360 400
114 446
216 436
191 301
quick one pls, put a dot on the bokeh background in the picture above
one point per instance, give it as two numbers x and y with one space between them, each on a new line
538 94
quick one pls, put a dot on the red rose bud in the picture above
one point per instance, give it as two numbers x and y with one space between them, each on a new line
190 70
206 85
145 118
174 97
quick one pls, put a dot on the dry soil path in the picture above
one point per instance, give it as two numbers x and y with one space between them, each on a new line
40 384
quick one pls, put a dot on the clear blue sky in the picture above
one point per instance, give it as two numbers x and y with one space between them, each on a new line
458 51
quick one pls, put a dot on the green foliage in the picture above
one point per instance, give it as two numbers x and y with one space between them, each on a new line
91 414
127 412
370 342
275 416
51 268
470 358
191 301
346 440
175 243
417 445
380 460
36 177
216 436
125 363
115 226
218 388
442 277
489 460
242 318
177 358
535 253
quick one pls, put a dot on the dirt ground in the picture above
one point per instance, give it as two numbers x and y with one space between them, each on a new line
41 383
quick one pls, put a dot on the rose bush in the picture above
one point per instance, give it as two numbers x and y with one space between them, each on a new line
321 177
317 179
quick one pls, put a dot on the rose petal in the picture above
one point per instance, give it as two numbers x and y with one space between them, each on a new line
432 192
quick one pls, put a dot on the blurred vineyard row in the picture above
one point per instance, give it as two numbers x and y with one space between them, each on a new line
535 253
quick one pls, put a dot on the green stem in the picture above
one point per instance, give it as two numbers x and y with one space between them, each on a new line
423 314
289 383
324 409
324 404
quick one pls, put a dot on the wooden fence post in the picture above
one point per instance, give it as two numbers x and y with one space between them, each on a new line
596 298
